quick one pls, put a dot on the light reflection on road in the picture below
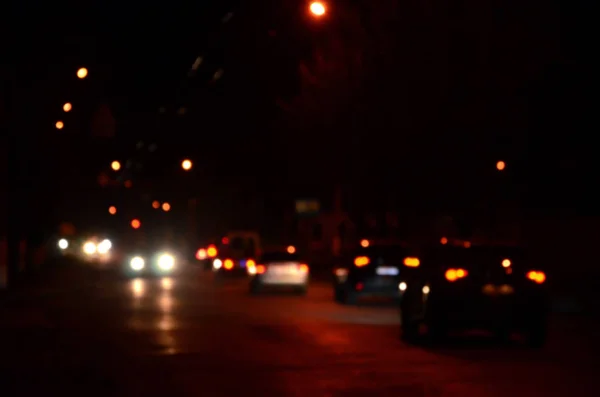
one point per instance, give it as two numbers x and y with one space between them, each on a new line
153 304
138 287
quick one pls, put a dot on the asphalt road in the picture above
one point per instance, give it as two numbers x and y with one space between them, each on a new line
96 335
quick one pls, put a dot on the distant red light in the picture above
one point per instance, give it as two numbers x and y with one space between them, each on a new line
225 240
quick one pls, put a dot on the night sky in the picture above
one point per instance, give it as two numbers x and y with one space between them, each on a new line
404 104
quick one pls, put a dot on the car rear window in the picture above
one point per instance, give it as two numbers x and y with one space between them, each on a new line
385 253
279 257
477 254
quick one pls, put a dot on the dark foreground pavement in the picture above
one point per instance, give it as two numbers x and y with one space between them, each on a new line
96 335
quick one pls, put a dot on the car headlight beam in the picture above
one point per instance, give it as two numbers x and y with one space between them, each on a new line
63 244
166 262
104 246
137 263
90 248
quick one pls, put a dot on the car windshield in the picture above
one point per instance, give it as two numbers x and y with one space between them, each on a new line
479 254
386 253
279 257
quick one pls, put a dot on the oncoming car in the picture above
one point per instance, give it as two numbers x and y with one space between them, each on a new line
279 270
159 263
373 271
458 288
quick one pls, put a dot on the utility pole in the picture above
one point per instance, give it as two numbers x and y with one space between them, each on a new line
11 192
3 191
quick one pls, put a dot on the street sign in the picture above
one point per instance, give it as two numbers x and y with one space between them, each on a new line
307 206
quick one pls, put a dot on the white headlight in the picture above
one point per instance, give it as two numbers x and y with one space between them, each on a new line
402 286
63 244
217 263
166 262
137 263
104 246
89 248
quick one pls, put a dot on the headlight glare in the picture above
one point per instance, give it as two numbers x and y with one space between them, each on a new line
104 246
166 262
137 263
90 248
63 244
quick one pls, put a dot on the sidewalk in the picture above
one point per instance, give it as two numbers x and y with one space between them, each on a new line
55 276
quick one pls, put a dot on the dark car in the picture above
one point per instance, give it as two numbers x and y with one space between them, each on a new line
458 288
374 271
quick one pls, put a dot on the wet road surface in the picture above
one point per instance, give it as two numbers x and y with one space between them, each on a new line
193 336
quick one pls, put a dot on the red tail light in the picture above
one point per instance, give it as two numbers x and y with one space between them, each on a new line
303 268
260 269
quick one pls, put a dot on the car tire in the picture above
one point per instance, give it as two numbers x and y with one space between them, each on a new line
350 297
302 291
536 336
437 327
255 288
338 294
409 328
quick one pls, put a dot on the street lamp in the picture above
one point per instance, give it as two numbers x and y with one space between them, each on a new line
155 204
317 8
136 224
166 207
67 107
186 164
59 125
115 165
112 210
82 73
500 165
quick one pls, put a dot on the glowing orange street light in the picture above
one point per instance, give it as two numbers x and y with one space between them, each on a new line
59 125
166 207
155 205
112 210
291 249
115 165
136 224
67 107
500 165
82 73
186 164
317 8
364 243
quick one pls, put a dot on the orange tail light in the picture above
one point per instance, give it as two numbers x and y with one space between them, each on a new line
260 269
304 268
361 261
411 262
228 264
211 251
455 274
537 276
